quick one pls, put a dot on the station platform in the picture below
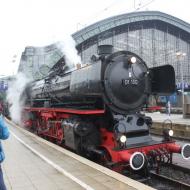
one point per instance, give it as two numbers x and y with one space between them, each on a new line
180 126
34 163
175 118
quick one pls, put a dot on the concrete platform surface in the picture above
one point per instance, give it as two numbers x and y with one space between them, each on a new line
56 168
175 118
23 170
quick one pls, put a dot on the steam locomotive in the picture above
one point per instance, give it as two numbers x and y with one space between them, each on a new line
95 110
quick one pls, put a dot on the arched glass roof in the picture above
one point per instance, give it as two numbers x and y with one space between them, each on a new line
123 19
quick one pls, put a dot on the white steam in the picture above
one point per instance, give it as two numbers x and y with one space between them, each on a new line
14 98
67 46
16 87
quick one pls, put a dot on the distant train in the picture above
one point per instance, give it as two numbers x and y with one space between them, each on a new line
95 110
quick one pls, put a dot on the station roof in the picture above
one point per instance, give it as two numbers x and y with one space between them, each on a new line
128 18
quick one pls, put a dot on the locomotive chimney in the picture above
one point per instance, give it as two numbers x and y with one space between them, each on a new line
104 50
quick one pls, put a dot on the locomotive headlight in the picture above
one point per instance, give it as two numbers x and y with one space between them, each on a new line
133 60
167 134
123 139
171 132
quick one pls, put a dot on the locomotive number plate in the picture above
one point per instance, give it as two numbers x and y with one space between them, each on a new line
126 82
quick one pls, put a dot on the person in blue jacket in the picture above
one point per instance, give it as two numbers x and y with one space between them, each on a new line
4 134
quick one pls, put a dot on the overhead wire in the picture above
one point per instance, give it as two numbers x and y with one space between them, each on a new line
143 6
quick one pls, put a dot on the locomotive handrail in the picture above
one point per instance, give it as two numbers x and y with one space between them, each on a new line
63 110
167 121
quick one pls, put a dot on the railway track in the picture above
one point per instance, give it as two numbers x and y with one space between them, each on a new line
171 177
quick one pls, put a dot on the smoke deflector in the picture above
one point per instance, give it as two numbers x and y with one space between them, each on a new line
162 80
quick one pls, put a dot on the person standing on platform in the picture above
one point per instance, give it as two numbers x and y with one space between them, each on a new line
169 108
4 134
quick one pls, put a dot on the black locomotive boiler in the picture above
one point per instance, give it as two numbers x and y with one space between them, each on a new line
94 110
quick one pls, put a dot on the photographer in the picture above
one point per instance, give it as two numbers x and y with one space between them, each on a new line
4 134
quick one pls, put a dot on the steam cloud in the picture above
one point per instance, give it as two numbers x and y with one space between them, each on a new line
16 88
14 93
67 46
